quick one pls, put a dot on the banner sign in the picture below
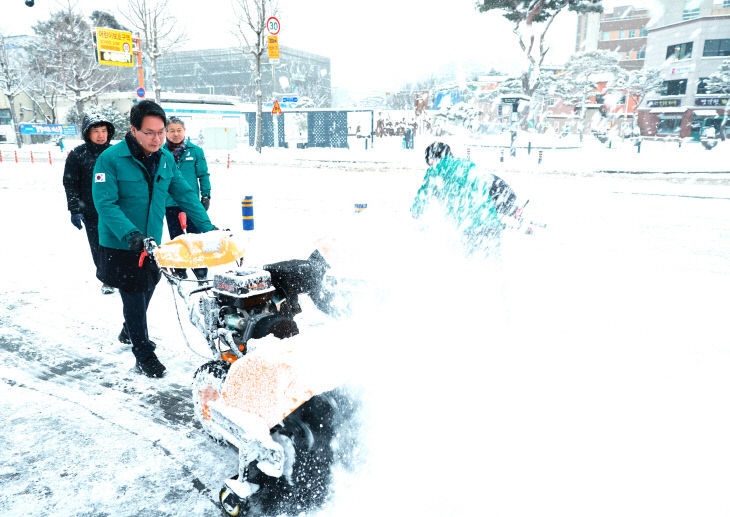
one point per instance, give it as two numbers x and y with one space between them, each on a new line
664 103
114 47
273 47
48 129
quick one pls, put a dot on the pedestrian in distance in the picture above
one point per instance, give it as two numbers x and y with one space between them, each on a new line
191 163
475 201
77 179
132 181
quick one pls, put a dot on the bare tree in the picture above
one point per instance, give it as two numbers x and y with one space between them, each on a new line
250 25
159 29
11 85
63 53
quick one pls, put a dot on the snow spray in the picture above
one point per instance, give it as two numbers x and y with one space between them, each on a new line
247 212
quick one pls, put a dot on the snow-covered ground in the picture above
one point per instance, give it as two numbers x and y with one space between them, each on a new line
583 373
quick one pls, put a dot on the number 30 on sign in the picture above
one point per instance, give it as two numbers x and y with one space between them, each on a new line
273 26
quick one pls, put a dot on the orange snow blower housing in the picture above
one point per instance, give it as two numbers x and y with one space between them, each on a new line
195 250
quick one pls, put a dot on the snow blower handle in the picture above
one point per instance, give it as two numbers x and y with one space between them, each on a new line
183 218
149 247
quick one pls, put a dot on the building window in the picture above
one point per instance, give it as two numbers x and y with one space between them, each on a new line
621 34
690 10
632 33
669 125
679 51
605 36
725 4
4 117
702 86
678 87
716 47
642 53
643 33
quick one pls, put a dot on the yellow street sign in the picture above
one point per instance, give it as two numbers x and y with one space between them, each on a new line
114 47
273 47
276 109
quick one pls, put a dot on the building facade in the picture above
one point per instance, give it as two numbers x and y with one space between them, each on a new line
228 71
687 51
624 31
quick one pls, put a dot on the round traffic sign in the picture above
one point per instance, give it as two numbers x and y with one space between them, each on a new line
140 92
273 26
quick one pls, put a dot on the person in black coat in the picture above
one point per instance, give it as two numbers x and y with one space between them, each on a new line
77 178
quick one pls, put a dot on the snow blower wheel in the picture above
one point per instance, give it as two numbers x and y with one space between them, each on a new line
231 504
207 386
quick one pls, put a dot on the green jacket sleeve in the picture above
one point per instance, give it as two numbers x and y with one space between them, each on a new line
201 171
186 199
105 192
423 195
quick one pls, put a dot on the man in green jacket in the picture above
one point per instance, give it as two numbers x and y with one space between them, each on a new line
191 163
132 181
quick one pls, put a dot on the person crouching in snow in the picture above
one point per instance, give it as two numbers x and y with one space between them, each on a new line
473 200
132 181
193 167
97 132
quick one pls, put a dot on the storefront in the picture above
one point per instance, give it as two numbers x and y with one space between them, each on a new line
665 118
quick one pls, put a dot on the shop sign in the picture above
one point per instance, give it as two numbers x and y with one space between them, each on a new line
711 101
664 103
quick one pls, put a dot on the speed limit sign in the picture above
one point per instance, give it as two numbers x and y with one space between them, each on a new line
273 26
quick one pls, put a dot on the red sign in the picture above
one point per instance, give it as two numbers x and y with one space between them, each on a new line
273 26
276 109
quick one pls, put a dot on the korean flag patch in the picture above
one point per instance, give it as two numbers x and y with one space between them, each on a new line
99 177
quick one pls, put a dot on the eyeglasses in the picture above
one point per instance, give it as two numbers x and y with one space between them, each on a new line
150 134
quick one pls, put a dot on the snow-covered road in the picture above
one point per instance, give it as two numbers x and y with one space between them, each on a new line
585 374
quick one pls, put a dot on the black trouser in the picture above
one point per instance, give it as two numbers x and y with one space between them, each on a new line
175 229
92 233
135 321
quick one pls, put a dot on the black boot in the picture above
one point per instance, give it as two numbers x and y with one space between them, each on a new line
151 366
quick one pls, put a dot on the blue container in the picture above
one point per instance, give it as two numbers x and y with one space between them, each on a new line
360 207
247 212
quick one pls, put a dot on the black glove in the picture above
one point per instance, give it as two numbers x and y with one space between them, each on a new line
205 201
136 242
77 220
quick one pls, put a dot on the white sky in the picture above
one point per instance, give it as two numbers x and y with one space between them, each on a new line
373 45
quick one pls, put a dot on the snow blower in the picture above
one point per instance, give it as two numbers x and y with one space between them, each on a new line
280 403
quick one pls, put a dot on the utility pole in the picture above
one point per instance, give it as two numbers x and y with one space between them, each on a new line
138 53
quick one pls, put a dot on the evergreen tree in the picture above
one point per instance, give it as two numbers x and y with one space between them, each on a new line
532 20
719 82
583 72
119 120
638 84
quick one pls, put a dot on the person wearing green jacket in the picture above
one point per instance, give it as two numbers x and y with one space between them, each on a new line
191 163
473 200
131 183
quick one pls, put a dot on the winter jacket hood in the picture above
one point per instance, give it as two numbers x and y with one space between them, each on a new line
95 119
